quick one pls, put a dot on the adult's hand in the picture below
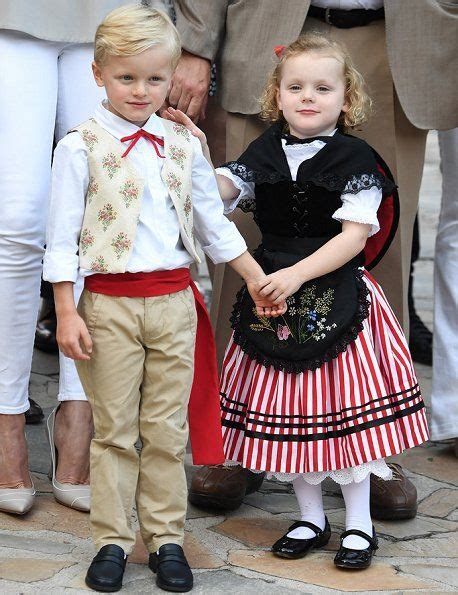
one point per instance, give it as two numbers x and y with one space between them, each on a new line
190 82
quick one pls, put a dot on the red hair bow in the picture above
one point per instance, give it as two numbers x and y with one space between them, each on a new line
279 49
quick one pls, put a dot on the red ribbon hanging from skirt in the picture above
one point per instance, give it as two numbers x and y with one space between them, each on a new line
204 410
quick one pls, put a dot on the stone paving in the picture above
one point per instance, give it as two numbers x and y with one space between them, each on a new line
49 549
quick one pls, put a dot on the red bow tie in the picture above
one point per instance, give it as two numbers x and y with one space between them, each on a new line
156 140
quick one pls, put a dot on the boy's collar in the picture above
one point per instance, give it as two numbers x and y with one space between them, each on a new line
119 128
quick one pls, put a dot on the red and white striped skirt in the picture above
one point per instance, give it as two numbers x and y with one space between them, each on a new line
361 406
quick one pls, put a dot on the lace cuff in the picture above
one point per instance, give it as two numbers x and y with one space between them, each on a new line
360 207
366 218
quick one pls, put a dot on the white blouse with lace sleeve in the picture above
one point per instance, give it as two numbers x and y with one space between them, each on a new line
246 189
361 208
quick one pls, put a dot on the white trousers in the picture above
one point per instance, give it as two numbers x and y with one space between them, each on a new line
46 88
444 397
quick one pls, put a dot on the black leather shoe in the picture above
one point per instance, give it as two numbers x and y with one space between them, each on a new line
356 559
420 340
107 569
171 568
289 547
35 413
45 331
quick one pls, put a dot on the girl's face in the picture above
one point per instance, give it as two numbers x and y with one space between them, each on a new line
136 86
312 93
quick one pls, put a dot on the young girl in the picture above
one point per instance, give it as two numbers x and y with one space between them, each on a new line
327 389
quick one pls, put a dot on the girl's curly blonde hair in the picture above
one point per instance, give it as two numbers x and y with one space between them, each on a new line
359 102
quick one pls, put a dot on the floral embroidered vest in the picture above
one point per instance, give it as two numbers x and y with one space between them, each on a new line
114 193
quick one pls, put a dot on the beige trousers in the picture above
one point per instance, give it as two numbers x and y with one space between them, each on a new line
138 382
400 144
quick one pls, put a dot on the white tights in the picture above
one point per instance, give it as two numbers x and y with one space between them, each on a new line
357 505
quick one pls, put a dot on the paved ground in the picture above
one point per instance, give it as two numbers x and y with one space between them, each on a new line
49 549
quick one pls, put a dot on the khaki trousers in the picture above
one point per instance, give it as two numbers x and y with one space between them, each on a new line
138 382
400 144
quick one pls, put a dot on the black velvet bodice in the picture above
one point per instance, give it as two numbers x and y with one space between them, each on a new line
296 209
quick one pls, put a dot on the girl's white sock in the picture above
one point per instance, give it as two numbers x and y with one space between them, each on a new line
358 516
310 501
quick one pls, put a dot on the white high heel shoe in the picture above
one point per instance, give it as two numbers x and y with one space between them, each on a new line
73 496
17 500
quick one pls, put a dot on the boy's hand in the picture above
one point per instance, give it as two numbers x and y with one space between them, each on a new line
264 307
280 285
71 334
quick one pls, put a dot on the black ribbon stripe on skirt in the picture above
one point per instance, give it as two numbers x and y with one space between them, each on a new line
250 417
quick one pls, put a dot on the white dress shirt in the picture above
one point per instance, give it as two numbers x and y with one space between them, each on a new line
360 208
157 244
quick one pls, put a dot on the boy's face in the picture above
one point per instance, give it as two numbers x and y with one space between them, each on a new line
312 93
136 86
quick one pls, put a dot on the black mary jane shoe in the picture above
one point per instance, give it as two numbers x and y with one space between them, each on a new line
356 559
290 547
171 568
107 569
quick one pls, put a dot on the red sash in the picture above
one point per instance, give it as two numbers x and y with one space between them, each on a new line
204 410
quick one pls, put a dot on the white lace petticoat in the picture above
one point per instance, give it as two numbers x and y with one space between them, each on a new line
340 476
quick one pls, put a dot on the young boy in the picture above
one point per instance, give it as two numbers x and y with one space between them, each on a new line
129 191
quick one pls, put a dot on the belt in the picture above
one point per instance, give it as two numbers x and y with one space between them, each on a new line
346 19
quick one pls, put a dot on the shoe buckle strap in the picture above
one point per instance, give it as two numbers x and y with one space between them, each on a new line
307 524
368 538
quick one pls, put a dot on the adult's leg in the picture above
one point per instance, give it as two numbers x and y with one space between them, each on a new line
240 131
444 396
28 81
169 368
78 96
214 126
420 337
400 144
215 481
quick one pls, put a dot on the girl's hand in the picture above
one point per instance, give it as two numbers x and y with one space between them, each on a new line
176 115
280 285
71 335
264 307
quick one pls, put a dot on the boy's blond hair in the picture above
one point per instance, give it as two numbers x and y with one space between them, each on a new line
132 29
359 102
